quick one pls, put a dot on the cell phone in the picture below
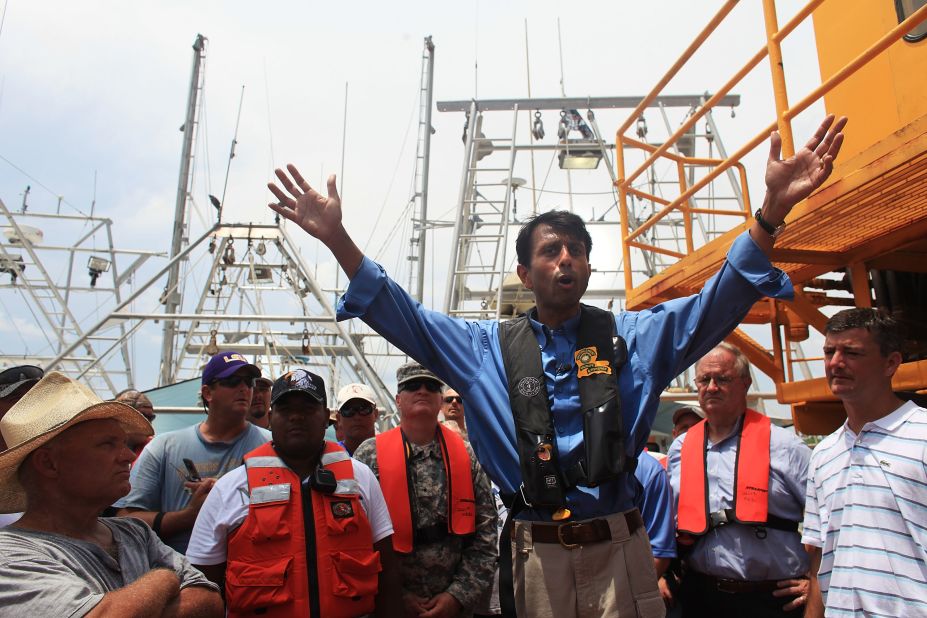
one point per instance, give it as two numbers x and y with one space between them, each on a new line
193 476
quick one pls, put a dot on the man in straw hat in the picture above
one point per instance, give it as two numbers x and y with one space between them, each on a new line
68 460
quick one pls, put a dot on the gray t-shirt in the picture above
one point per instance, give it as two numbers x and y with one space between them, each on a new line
158 474
45 574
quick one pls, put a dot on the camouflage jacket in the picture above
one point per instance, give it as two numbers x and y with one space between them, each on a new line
464 567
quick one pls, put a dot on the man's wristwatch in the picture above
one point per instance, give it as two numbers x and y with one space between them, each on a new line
769 228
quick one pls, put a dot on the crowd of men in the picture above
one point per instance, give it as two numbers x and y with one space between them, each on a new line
516 481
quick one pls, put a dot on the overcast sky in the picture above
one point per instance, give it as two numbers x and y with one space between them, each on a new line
100 88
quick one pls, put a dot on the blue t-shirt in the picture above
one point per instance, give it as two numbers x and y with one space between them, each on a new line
158 475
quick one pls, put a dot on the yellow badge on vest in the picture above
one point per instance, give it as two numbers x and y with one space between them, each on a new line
587 365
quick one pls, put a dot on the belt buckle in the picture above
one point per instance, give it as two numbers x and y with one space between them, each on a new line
560 538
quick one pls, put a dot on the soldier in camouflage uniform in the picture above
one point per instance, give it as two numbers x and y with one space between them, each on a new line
442 576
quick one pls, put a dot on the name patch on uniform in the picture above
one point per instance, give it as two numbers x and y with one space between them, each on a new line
342 510
270 493
587 363
529 386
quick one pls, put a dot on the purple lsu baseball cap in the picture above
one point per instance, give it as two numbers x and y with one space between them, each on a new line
224 364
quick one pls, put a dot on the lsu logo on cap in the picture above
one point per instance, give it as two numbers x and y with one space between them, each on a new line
231 358
587 365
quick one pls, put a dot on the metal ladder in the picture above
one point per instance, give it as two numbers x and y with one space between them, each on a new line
480 241
46 296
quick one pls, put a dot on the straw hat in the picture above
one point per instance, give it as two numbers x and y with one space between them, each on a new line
53 405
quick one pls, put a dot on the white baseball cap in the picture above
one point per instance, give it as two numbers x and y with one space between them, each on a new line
356 391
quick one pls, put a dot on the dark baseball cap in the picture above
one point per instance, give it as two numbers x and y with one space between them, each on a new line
14 377
414 371
224 364
299 381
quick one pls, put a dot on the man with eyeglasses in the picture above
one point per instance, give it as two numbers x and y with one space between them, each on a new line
357 415
739 483
165 493
444 517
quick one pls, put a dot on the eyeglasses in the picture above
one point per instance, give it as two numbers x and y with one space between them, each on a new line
414 385
720 381
453 399
349 410
236 381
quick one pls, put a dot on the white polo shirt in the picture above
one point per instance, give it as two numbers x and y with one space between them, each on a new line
867 509
226 507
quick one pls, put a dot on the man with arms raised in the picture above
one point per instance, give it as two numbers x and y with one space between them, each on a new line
866 513
67 461
301 495
555 368
739 483
165 495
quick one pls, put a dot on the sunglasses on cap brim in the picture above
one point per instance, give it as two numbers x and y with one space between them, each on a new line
414 385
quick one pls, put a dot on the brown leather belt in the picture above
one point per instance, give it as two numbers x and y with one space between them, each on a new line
573 534
735 586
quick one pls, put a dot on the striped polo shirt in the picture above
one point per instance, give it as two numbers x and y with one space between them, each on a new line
867 510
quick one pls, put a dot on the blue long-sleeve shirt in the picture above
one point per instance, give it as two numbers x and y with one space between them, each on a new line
656 506
662 342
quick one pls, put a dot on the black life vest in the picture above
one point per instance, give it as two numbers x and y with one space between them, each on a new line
600 354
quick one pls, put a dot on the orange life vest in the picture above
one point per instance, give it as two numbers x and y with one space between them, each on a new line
267 572
392 453
751 476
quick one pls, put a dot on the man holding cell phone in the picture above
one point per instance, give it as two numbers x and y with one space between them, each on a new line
165 492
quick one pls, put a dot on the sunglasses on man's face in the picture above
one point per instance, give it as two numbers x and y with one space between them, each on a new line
350 410
236 381
414 385
453 399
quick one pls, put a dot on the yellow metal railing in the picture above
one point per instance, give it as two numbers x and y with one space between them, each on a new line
772 49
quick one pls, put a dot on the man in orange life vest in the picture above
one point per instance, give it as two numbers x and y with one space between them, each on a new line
315 540
440 501
739 483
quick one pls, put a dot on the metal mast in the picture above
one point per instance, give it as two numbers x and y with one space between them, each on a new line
422 157
171 297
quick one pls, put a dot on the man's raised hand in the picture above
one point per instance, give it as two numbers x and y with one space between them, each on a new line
306 207
792 180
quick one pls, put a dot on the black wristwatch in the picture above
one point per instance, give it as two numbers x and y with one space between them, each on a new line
772 230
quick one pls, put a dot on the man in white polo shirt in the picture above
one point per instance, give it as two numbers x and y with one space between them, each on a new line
866 512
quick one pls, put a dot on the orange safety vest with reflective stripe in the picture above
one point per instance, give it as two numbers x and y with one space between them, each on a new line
267 572
392 453
751 476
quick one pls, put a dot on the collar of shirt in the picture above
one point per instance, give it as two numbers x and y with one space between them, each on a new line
569 329
888 423
734 433
424 451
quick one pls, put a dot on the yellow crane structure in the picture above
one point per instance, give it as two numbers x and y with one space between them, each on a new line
863 232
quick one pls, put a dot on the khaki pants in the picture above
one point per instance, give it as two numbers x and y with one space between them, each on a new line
612 579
